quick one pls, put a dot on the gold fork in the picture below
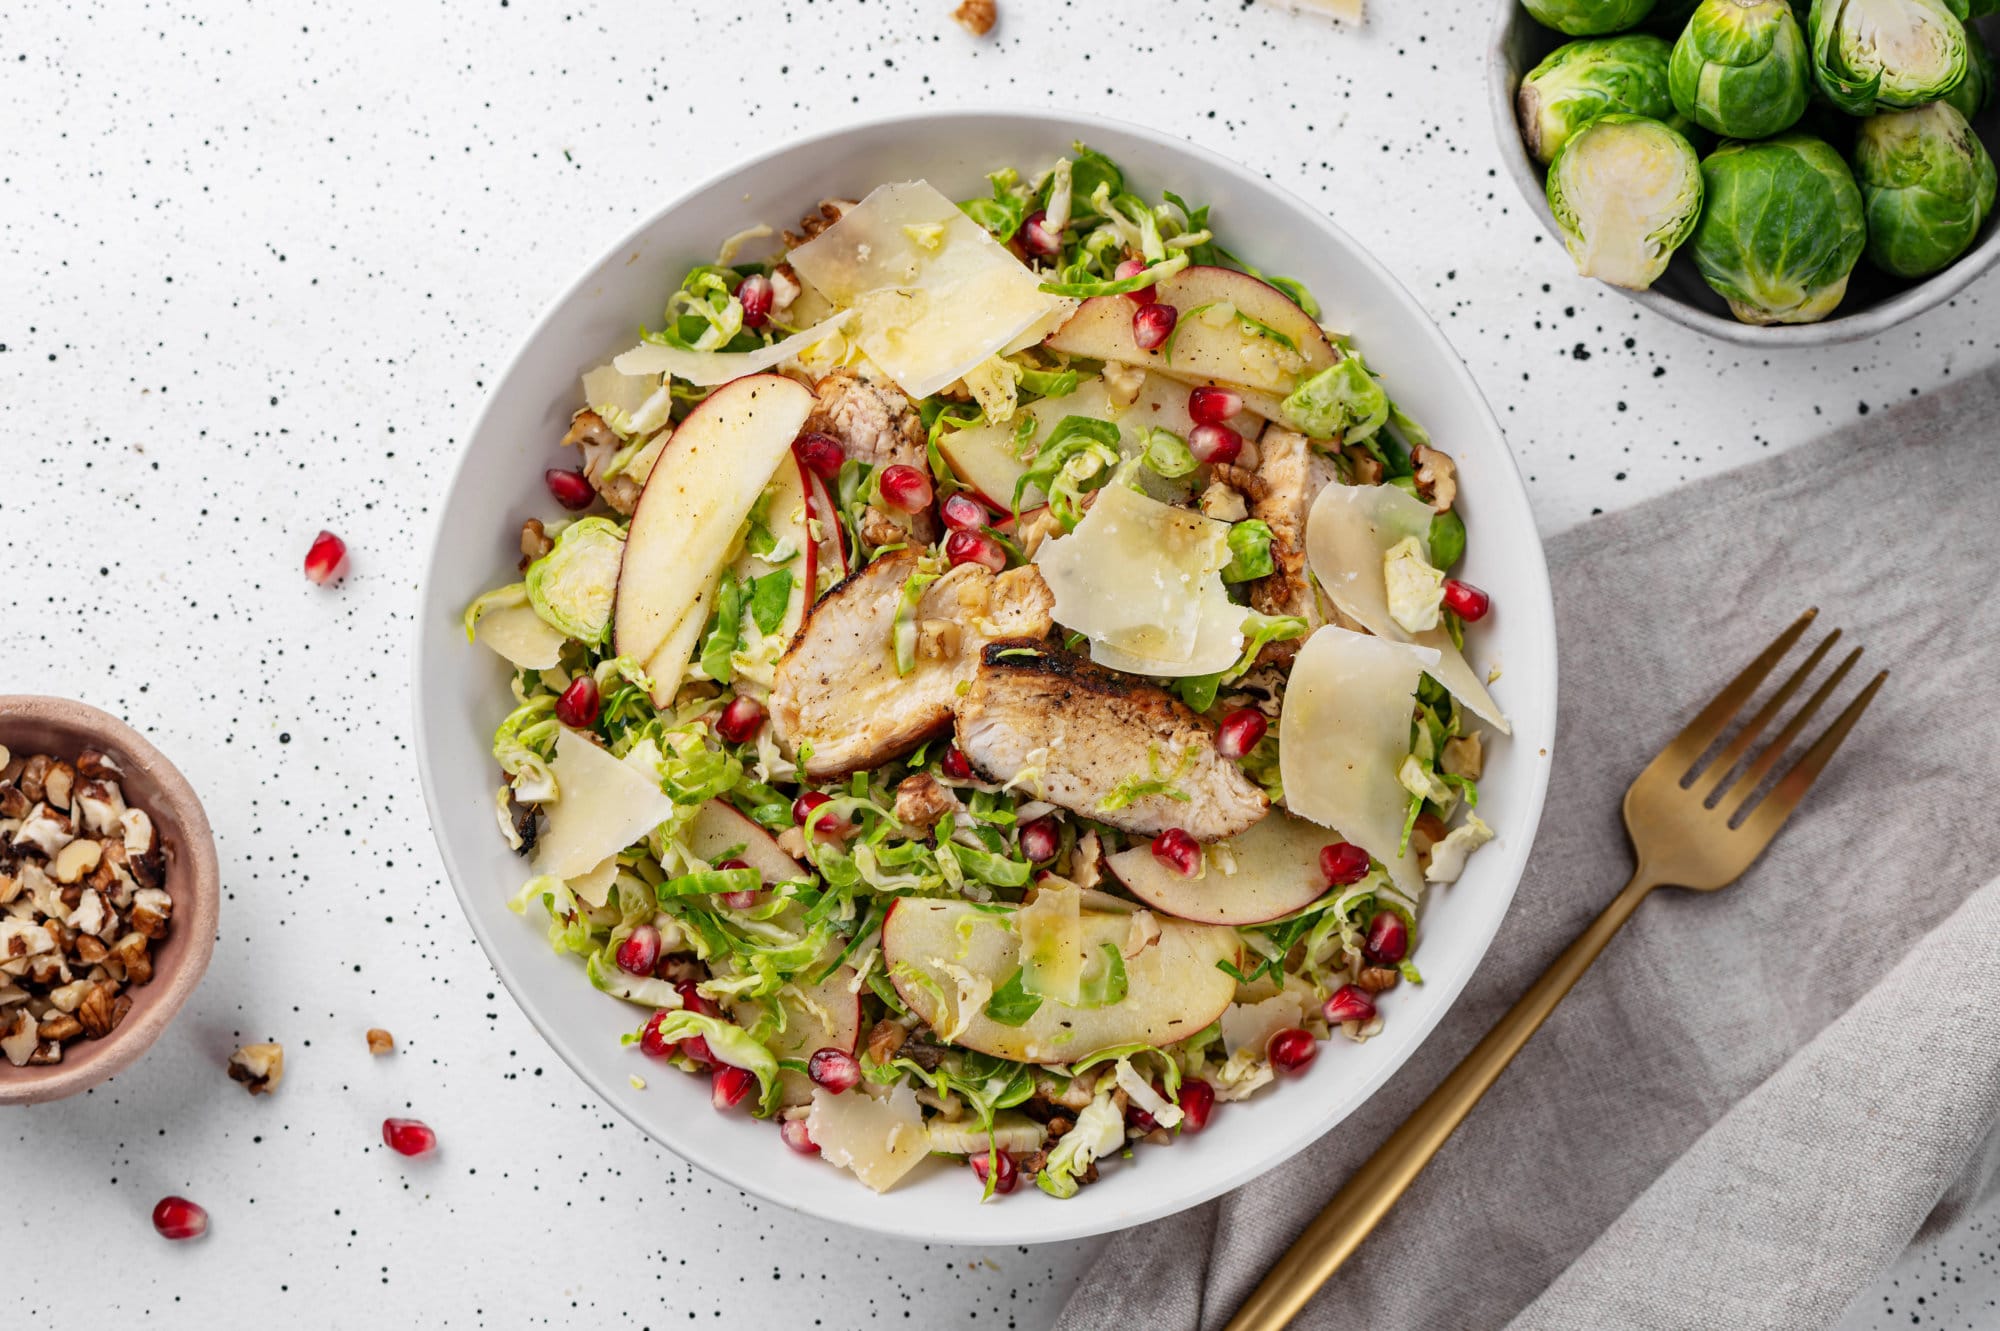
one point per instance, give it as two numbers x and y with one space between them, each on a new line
1683 835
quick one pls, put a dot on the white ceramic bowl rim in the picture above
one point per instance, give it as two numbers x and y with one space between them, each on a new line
1531 700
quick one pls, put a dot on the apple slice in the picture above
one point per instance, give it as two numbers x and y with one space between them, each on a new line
1264 874
700 491
1173 988
826 1015
788 515
721 830
1207 347
832 561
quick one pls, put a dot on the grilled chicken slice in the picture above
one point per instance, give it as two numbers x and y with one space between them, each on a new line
1082 737
877 425
837 689
1292 473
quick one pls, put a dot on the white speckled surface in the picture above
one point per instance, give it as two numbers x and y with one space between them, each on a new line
255 262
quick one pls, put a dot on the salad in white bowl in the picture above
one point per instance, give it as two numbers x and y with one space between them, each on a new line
998 689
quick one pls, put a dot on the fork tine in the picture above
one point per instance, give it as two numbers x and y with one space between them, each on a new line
1770 815
1736 801
1725 762
1679 755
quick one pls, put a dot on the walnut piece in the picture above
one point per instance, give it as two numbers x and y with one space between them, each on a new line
976 16
1374 979
260 1067
380 1041
921 801
1464 756
884 1039
1437 478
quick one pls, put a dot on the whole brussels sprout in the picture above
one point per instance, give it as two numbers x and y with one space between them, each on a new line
1588 18
1926 185
1582 80
1782 229
1740 69
1625 191
1871 54
1974 92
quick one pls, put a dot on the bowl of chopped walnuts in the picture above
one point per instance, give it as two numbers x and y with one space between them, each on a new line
108 896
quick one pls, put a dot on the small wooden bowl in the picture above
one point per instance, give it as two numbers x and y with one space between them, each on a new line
62 728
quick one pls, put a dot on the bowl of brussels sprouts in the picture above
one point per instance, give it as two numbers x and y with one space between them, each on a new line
1763 174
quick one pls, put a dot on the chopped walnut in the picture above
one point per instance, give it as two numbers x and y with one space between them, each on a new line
1365 467
1427 831
535 542
921 801
976 16
814 223
380 1041
1241 479
884 1039
1223 503
59 785
260 1067
95 1011
1375 979
1464 756
1437 477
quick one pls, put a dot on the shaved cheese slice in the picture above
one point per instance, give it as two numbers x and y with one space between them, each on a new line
935 293
1251 1025
611 392
1051 930
594 888
1343 734
521 636
879 1140
705 368
1348 533
1141 579
602 806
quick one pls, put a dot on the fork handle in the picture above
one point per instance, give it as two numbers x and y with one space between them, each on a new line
1367 1196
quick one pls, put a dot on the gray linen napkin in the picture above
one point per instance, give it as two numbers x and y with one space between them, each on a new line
1748 1107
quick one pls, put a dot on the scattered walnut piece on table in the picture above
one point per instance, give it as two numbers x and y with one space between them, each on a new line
380 1041
260 1067
976 16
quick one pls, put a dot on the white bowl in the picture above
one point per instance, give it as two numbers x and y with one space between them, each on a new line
460 691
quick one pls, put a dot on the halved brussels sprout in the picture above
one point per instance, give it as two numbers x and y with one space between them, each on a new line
1926 186
572 586
1625 191
1974 92
1740 69
1871 54
1781 230
1582 80
1588 18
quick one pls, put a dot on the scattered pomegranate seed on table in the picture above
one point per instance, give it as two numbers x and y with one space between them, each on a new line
905 488
1039 840
326 558
755 297
1153 324
1197 1102
798 1137
738 722
955 764
1240 731
962 512
1037 239
1343 863
577 707
1388 938
1213 406
571 489
1291 1049
1466 601
975 547
1215 443
835 1069
821 454
1349 1003
408 1136
1178 851
640 951
1001 1165
728 1085
1144 295
178 1218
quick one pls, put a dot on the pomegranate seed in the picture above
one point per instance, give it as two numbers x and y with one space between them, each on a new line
178 1218
728 1085
1349 1003
738 722
1291 1049
956 765
1144 295
691 997
1215 443
755 297
694 1046
1343 863
1240 731
793 1130
570 488
741 900
975 547
1005 1173
964 513
1466 601
821 453
1037 239
1213 406
905 488
1388 940
1153 324
1197 1103
1039 841
577 708
408 1136
326 558
835 1069
1178 851
803 806
640 951
733 863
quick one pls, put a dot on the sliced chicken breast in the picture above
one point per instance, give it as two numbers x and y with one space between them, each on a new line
878 425
1086 738
837 690
1293 474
